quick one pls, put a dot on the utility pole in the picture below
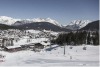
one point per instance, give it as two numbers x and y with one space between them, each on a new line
86 38
64 49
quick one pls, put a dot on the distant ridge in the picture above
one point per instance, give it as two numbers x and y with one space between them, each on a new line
93 26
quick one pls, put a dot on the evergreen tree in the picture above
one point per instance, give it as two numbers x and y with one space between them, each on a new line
78 38
96 38
88 38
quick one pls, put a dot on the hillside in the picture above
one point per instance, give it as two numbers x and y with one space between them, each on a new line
93 26
41 26
3 27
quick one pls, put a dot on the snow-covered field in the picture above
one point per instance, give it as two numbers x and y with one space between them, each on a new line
53 57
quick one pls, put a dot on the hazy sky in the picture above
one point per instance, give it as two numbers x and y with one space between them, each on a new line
64 11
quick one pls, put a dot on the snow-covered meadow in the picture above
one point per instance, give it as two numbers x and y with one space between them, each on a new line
53 57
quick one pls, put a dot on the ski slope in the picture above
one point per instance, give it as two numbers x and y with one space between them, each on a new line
54 57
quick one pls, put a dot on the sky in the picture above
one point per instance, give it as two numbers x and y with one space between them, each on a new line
63 11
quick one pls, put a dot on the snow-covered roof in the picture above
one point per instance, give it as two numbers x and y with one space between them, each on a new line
45 44
23 41
10 47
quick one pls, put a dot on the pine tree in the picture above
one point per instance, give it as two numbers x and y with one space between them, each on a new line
96 38
88 38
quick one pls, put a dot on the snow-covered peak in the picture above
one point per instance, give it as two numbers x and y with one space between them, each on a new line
46 20
10 21
53 21
5 17
38 20
80 23
7 20
77 24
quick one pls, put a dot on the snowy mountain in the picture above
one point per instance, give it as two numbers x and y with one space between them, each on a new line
7 20
42 23
77 24
11 21
21 22
46 20
26 24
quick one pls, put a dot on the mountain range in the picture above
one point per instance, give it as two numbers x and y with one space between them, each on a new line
11 21
42 23
77 24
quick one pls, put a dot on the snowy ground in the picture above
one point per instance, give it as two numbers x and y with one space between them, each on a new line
73 57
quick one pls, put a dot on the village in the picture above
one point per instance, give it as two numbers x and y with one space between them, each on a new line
35 47
13 40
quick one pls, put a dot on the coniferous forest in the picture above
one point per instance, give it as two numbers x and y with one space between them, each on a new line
78 38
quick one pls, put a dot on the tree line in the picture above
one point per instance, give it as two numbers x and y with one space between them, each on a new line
78 38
